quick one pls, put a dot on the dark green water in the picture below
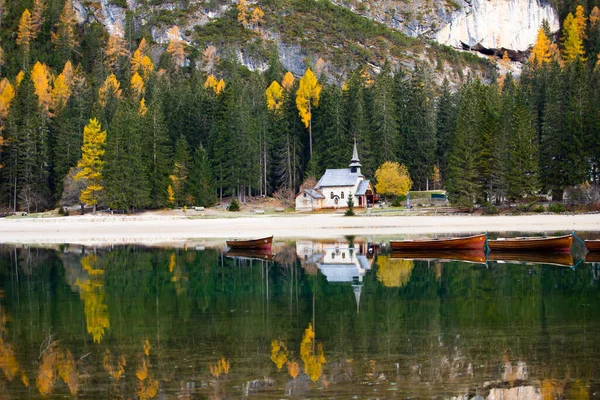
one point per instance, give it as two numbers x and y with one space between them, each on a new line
135 322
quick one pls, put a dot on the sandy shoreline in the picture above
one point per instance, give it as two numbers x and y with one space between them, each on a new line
156 229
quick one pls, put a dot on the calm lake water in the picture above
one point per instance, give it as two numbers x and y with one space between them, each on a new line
343 319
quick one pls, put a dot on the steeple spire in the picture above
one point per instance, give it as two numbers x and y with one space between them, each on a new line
355 162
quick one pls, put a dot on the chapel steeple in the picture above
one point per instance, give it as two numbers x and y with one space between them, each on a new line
355 162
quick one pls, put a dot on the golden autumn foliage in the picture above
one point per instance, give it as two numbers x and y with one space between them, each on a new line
279 353
504 69
7 94
141 64
110 88
257 17
308 95
142 109
293 369
436 178
19 78
274 96
572 40
288 81
137 85
594 16
175 47
91 162
312 354
243 11
56 363
37 16
93 296
394 272
62 88
393 179
219 368
540 54
26 30
170 195
115 371
147 347
320 67
216 86
41 81
8 361
580 22
209 59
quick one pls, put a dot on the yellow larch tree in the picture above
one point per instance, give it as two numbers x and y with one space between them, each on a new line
504 69
20 77
220 87
540 54
62 88
594 16
243 11
7 94
307 96
110 88
293 369
42 83
92 163
142 109
93 296
288 81
116 50
117 371
212 83
392 179
580 22
137 85
274 96
573 42
279 353
175 47
257 18
394 272
209 59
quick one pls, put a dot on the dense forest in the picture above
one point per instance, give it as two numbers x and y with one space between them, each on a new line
86 112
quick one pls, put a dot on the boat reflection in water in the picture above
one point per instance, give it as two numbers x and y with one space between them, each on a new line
475 256
250 254
559 259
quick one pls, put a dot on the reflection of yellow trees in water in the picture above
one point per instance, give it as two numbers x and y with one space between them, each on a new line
551 389
293 369
115 371
394 273
219 368
8 361
57 363
578 390
312 354
93 296
279 353
147 385
178 277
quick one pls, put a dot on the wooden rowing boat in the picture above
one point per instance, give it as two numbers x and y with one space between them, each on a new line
251 254
562 259
551 243
254 244
471 256
592 245
460 243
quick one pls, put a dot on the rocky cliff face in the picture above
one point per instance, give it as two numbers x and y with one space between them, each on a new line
495 24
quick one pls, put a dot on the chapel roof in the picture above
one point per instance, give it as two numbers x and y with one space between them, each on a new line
338 177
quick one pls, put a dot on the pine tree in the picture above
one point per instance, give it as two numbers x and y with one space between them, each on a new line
385 123
65 40
181 168
127 186
91 163
25 35
200 185
447 109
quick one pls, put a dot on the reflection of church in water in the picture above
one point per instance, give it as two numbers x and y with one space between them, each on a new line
338 261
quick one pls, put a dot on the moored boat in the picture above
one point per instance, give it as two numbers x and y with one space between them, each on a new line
457 243
551 243
592 257
471 256
253 244
592 245
563 259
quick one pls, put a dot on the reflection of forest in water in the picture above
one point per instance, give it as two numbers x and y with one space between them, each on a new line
323 319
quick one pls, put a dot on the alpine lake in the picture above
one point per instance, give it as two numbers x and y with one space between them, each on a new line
338 318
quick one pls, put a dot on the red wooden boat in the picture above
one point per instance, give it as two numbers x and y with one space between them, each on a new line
551 243
471 256
254 244
592 245
593 257
563 259
461 243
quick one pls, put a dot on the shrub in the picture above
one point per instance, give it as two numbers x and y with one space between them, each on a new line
350 211
490 209
398 201
538 209
234 206
557 208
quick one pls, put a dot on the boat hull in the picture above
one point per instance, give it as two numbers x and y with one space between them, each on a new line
471 256
462 243
555 243
254 244
592 245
